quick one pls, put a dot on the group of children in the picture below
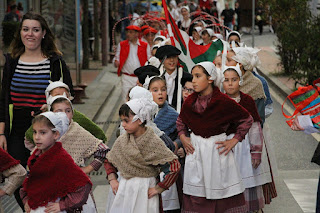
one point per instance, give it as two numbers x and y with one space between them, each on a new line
217 131
190 142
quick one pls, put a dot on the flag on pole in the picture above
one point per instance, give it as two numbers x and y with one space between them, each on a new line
191 53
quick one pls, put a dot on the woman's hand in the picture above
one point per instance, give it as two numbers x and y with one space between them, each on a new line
52 208
186 142
154 191
296 125
114 185
227 145
255 163
3 142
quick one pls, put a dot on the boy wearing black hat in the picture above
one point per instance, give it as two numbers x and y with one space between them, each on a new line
168 55
131 54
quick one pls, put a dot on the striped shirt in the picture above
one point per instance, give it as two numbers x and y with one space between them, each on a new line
28 84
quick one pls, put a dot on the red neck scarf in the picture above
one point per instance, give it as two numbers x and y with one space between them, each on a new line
6 161
52 175
217 118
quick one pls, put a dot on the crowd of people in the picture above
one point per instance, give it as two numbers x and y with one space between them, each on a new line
189 141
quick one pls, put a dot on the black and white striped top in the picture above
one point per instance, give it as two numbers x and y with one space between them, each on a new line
29 83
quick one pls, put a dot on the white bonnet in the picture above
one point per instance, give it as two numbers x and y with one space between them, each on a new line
209 31
212 71
198 29
51 100
235 68
160 36
185 7
143 108
173 3
140 92
247 56
233 33
59 120
55 84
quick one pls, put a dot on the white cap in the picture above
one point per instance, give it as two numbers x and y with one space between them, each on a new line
212 71
198 29
234 33
185 7
209 31
159 36
247 56
52 99
59 120
140 92
56 84
143 108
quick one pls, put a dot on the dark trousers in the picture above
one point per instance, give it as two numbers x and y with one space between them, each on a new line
21 122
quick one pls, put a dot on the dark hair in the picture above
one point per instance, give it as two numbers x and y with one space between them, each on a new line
48 46
58 101
157 78
126 111
42 119
231 69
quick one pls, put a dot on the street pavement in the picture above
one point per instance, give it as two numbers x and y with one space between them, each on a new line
296 177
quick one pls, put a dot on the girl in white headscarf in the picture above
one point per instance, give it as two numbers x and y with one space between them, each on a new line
185 21
248 59
212 182
139 155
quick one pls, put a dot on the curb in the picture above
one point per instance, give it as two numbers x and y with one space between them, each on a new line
285 91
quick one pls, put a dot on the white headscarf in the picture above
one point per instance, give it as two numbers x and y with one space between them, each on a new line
55 84
212 71
185 7
59 120
247 56
51 100
143 108
233 32
235 68
140 92
209 31
198 29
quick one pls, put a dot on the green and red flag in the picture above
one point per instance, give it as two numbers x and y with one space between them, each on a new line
191 53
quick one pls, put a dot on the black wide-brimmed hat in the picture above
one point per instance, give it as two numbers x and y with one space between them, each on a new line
143 72
167 51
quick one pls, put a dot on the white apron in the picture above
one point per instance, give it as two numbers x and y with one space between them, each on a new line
89 207
41 209
208 174
132 196
251 177
170 199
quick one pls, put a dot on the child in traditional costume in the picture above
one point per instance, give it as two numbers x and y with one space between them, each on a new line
139 155
59 88
55 183
79 143
248 59
248 153
212 182
12 170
